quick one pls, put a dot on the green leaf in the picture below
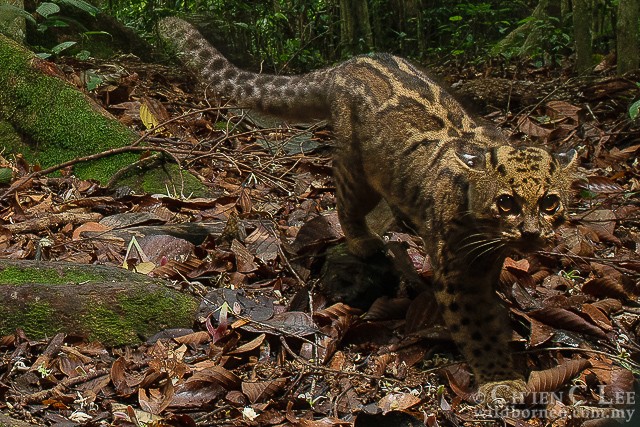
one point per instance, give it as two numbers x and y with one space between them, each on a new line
82 5
83 55
455 18
94 82
54 22
97 33
62 46
280 16
634 110
46 9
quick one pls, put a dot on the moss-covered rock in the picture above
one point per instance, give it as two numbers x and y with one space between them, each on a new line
59 122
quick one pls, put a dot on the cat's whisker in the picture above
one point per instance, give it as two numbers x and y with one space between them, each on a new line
487 251
489 244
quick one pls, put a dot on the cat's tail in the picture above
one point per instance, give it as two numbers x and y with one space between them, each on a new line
301 97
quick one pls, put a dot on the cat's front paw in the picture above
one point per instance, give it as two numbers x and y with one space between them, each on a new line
365 246
499 394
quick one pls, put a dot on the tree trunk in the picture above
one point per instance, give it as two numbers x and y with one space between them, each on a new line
530 30
628 36
355 34
582 15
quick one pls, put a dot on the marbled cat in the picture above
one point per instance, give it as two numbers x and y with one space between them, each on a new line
471 195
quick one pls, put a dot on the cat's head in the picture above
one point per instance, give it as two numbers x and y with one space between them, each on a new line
522 192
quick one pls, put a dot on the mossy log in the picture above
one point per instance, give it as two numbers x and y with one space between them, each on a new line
108 304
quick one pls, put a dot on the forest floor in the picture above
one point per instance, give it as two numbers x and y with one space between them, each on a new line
281 353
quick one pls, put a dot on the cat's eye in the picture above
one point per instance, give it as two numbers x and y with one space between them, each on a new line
550 204
506 204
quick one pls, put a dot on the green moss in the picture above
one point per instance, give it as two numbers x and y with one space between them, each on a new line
60 297
9 137
64 127
36 318
18 276
163 179
138 315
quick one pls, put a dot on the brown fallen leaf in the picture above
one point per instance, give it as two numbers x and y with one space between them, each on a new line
156 400
608 305
397 402
600 185
597 316
261 391
124 382
552 379
244 259
565 319
605 287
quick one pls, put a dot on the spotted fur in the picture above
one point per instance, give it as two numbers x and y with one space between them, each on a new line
470 194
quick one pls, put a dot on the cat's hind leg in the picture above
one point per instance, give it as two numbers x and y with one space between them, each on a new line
355 199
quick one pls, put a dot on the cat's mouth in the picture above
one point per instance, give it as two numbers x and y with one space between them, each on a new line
527 244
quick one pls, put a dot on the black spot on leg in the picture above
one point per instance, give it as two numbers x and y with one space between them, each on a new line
455 118
470 308
203 55
477 352
215 80
244 78
476 336
494 158
451 289
454 328
454 307
218 63
280 81
465 321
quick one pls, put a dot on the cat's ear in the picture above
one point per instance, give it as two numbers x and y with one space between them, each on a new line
472 158
567 160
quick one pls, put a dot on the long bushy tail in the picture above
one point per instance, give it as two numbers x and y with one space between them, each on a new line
301 97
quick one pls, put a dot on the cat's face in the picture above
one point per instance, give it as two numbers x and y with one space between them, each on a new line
520 195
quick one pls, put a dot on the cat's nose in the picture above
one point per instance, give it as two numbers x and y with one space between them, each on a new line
530 234
529 230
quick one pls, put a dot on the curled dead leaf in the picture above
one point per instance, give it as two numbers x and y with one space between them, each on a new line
600 185
262 390
552 379
565 319
605 287
397 402
608 305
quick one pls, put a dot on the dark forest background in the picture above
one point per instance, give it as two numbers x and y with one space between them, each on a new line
299 35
